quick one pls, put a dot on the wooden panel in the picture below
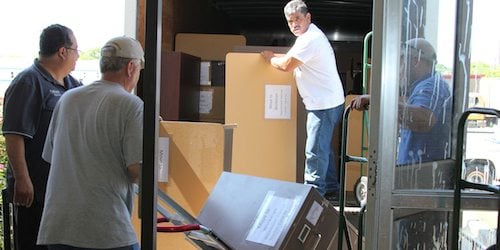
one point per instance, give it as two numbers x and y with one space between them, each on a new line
196 161
209 47
179 91
261 147
195 164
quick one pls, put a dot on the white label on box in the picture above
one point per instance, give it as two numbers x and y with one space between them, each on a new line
314 213
278 102
274 217
205 73
163 155
206 99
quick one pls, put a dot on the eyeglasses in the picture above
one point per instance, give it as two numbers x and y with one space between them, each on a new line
77 50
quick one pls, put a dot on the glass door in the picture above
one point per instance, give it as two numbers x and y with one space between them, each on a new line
422 82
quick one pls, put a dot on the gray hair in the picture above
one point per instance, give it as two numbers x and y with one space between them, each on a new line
295 6
113 64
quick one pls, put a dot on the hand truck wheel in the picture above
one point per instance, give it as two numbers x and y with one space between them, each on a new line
361 190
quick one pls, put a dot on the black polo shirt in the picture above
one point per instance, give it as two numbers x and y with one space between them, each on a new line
28 104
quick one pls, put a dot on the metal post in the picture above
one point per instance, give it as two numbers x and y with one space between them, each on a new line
228 146
387 16
461 85
151 91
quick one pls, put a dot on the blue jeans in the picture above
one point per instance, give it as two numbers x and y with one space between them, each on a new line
321 169
66 247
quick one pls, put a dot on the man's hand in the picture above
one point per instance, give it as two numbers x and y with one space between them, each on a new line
23 192
267 55
360 102
284 63
23 188
134 172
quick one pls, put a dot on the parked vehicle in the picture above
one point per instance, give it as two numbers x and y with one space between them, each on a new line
480 171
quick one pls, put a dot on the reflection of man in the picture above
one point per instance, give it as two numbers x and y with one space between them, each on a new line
313 61
29 102
424 108
94 144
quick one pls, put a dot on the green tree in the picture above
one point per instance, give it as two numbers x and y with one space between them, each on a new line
443 69
90 54
487 70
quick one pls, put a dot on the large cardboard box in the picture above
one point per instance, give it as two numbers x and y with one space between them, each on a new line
248 212
263 146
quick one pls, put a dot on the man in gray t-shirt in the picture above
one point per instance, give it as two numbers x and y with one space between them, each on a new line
94 144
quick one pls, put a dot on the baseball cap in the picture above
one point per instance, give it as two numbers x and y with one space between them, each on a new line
123 46
422 47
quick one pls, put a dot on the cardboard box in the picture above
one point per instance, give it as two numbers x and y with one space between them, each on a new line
212 101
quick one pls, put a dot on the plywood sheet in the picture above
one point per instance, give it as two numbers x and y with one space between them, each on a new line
209 47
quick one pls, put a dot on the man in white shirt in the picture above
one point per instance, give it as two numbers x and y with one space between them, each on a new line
315 70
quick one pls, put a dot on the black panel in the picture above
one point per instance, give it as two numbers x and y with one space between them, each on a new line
340 20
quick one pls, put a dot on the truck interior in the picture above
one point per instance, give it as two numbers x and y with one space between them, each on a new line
419 203
229 177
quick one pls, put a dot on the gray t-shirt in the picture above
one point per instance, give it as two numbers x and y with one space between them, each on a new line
95 133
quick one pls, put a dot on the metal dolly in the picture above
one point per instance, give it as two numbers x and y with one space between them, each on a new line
344 158
463 184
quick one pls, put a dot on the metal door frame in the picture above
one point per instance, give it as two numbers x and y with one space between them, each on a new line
382 197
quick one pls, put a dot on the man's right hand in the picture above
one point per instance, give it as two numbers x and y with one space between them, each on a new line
23 187
360 102
23 192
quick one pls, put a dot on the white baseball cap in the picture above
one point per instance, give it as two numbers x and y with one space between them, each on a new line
123 46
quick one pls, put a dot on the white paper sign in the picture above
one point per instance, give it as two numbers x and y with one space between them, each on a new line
163 155
278 102
206 99
275 214
205 73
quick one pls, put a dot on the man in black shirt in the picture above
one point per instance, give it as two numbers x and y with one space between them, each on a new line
28 105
